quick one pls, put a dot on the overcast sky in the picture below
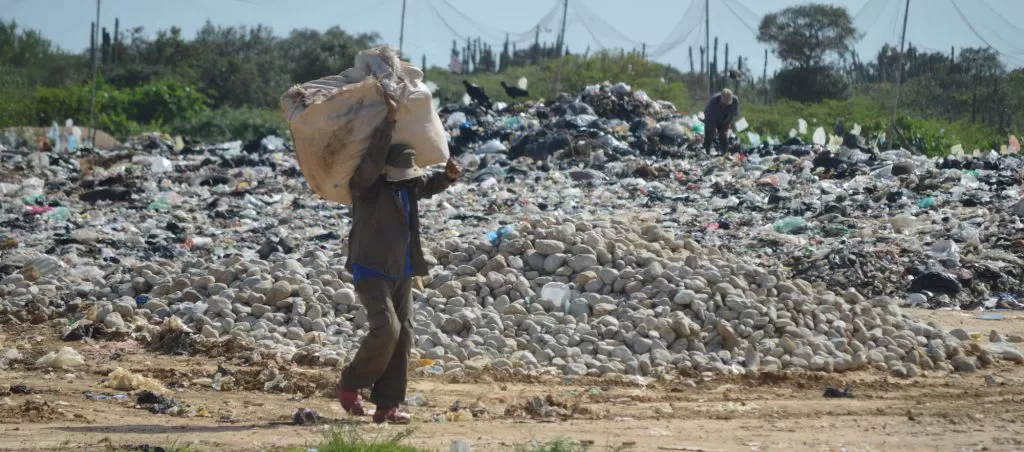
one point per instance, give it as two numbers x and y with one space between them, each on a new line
432 24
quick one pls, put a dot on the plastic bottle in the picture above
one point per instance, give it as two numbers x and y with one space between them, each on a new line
416 400
558 294
926 203
791 225
54 137
161 203
59 214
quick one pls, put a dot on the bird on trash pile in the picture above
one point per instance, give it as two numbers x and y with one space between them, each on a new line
516 91
477 94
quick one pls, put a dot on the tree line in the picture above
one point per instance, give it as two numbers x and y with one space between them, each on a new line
249 67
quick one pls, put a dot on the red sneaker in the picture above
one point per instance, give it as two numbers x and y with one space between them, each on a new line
391 415
350 401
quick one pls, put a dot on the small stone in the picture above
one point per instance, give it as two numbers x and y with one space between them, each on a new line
295 334
553 262
898 371
496 264
583 262
622 353
575 369
514 309
603 309
994 336
685 297
653 271
344 297
216 289
278 292
450 289
259 310
963 364
960 333
549 247
501 363
113 321
203 282
585 277
608 275
210 333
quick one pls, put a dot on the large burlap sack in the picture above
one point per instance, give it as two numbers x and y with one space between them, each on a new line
333 118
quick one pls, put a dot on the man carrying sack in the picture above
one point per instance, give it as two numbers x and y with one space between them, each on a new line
384 255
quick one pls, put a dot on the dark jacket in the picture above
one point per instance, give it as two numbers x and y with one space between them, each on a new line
720 115
380 230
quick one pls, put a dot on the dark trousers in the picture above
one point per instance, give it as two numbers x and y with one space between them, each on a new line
382 361
711 131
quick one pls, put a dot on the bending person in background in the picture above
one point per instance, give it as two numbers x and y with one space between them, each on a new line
721 112
384 254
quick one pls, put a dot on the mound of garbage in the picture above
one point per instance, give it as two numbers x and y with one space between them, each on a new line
590 236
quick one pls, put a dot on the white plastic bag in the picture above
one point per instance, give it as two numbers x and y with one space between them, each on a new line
65 358
160 165
819 137
741 125
332 119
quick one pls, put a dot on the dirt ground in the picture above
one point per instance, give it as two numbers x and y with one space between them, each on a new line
979 411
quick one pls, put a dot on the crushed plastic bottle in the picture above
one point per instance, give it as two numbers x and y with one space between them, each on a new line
455 120
946 251
754 139
491 147
160 204
495 236
416 400
791 225
558 294
59 214
54 137
433 371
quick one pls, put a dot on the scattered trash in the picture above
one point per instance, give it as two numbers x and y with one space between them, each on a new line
307 416
416 400
123 380
19 389
97 396
158 404
833 393
65 358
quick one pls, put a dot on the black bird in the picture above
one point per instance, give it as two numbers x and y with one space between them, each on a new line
514 91
735 74
477 94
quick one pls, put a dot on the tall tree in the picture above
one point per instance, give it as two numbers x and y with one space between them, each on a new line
807 35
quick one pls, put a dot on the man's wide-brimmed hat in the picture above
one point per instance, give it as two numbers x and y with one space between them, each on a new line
401 164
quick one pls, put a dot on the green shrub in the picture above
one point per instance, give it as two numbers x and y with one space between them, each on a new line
227 124
159 102
351 439
120 112
577 73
